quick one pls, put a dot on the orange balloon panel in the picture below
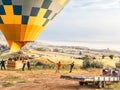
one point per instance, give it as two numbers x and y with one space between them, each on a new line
15 46
20 35
24 32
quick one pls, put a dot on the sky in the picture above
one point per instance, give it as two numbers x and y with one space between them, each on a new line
86 20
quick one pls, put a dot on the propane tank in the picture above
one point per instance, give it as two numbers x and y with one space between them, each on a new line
106 72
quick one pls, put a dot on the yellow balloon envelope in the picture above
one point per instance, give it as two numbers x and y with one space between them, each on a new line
21 21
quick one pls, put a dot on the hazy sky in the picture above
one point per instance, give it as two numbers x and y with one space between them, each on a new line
84 20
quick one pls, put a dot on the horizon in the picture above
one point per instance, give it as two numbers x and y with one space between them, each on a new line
112 45
87 44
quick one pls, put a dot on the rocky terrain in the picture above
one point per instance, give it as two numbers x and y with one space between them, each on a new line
73 51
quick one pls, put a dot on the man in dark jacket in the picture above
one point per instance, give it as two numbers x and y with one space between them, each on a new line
71 66
3 65
28 65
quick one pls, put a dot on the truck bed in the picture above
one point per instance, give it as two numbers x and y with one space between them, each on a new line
91 78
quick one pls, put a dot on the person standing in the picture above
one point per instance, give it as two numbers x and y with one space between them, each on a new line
24 64
71 67
28 65
58 67
3 65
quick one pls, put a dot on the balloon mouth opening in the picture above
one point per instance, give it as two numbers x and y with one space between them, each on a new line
15 46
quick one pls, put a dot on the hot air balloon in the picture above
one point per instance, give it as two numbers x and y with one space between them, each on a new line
22 21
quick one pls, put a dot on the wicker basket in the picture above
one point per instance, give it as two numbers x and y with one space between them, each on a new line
14 64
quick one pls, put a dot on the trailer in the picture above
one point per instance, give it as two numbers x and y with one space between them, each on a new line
109 76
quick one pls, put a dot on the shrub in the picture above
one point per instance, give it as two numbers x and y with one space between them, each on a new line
86 64
111 56
92 64
65 66
103 56
88 57
97 64
41 49
55 50
89 62
38 63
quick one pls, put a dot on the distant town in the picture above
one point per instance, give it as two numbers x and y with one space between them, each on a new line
73 51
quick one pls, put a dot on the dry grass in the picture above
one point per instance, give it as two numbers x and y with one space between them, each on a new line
45 60
115 86
109 62
66 59
11 80
8 84
46 79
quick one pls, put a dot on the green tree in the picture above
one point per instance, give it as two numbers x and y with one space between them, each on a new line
90 62
103 56
111 56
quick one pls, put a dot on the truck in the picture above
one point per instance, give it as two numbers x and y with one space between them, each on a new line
108 76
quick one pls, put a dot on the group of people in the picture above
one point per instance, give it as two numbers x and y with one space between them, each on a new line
18 58
24 60
59 65
26 63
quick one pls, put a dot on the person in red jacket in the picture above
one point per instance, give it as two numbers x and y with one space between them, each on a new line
58 66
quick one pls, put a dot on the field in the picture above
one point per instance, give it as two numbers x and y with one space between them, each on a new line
40 80
45 80
48 79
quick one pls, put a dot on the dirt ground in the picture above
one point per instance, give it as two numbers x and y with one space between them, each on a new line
44 80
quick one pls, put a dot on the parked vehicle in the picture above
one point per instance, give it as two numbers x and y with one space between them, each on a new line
109 76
